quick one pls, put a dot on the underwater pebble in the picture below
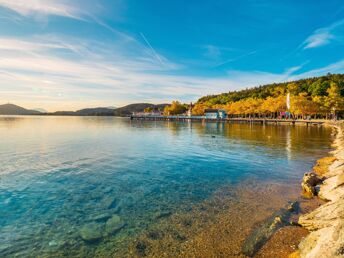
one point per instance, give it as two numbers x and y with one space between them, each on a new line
53 243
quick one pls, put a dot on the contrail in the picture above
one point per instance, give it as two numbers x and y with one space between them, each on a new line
150 46
237 58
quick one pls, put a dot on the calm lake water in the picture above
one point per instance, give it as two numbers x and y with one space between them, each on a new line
86 186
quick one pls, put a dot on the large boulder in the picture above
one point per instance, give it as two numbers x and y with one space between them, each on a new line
332 188
327 242
309 182
324 216
322 165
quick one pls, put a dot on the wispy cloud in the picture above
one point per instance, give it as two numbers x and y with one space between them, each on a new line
322 36
115 70
212 52
110 74
337 67
43 7
255 78
217 53
60 72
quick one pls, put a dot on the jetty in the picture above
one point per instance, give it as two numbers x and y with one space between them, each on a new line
227 120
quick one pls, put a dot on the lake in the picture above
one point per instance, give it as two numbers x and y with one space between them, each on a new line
111 187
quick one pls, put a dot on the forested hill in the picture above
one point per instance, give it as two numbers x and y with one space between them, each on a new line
316 86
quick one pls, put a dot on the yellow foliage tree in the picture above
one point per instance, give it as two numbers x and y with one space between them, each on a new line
148 110
334 101
176 108
302 105
198 109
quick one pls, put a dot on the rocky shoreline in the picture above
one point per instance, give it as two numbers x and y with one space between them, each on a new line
326 223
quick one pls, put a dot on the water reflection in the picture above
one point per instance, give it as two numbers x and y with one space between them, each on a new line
63 178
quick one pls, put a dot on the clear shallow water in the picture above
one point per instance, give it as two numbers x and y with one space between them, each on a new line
59 174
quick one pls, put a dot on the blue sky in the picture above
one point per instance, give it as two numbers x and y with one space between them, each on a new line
59 54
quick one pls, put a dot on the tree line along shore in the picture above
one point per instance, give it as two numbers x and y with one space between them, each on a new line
318 97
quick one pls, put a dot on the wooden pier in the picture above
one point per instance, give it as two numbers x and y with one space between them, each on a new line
228 120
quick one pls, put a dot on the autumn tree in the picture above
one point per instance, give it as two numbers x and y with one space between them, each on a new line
311 96
293 88
321 107
176 108
148 110
302 105
334 101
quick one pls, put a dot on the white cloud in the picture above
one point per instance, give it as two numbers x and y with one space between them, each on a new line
322 36
57 73
116 71
43 7
337 67
319 38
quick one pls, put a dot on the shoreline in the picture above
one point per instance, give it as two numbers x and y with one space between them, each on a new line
326 222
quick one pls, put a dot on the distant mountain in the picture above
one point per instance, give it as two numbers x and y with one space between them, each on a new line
138 107
42 110
11 109
95 112
109 111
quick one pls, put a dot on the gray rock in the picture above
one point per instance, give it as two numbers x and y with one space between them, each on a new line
91 232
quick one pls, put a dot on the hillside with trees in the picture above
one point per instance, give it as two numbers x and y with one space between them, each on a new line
317 97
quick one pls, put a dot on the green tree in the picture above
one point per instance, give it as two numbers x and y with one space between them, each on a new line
319 88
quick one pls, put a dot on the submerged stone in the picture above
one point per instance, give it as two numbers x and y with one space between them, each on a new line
108 202
100 217
261 234
114 224
91 232
162 214
141 248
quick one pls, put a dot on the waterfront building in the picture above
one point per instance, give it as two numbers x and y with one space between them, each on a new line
212 113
